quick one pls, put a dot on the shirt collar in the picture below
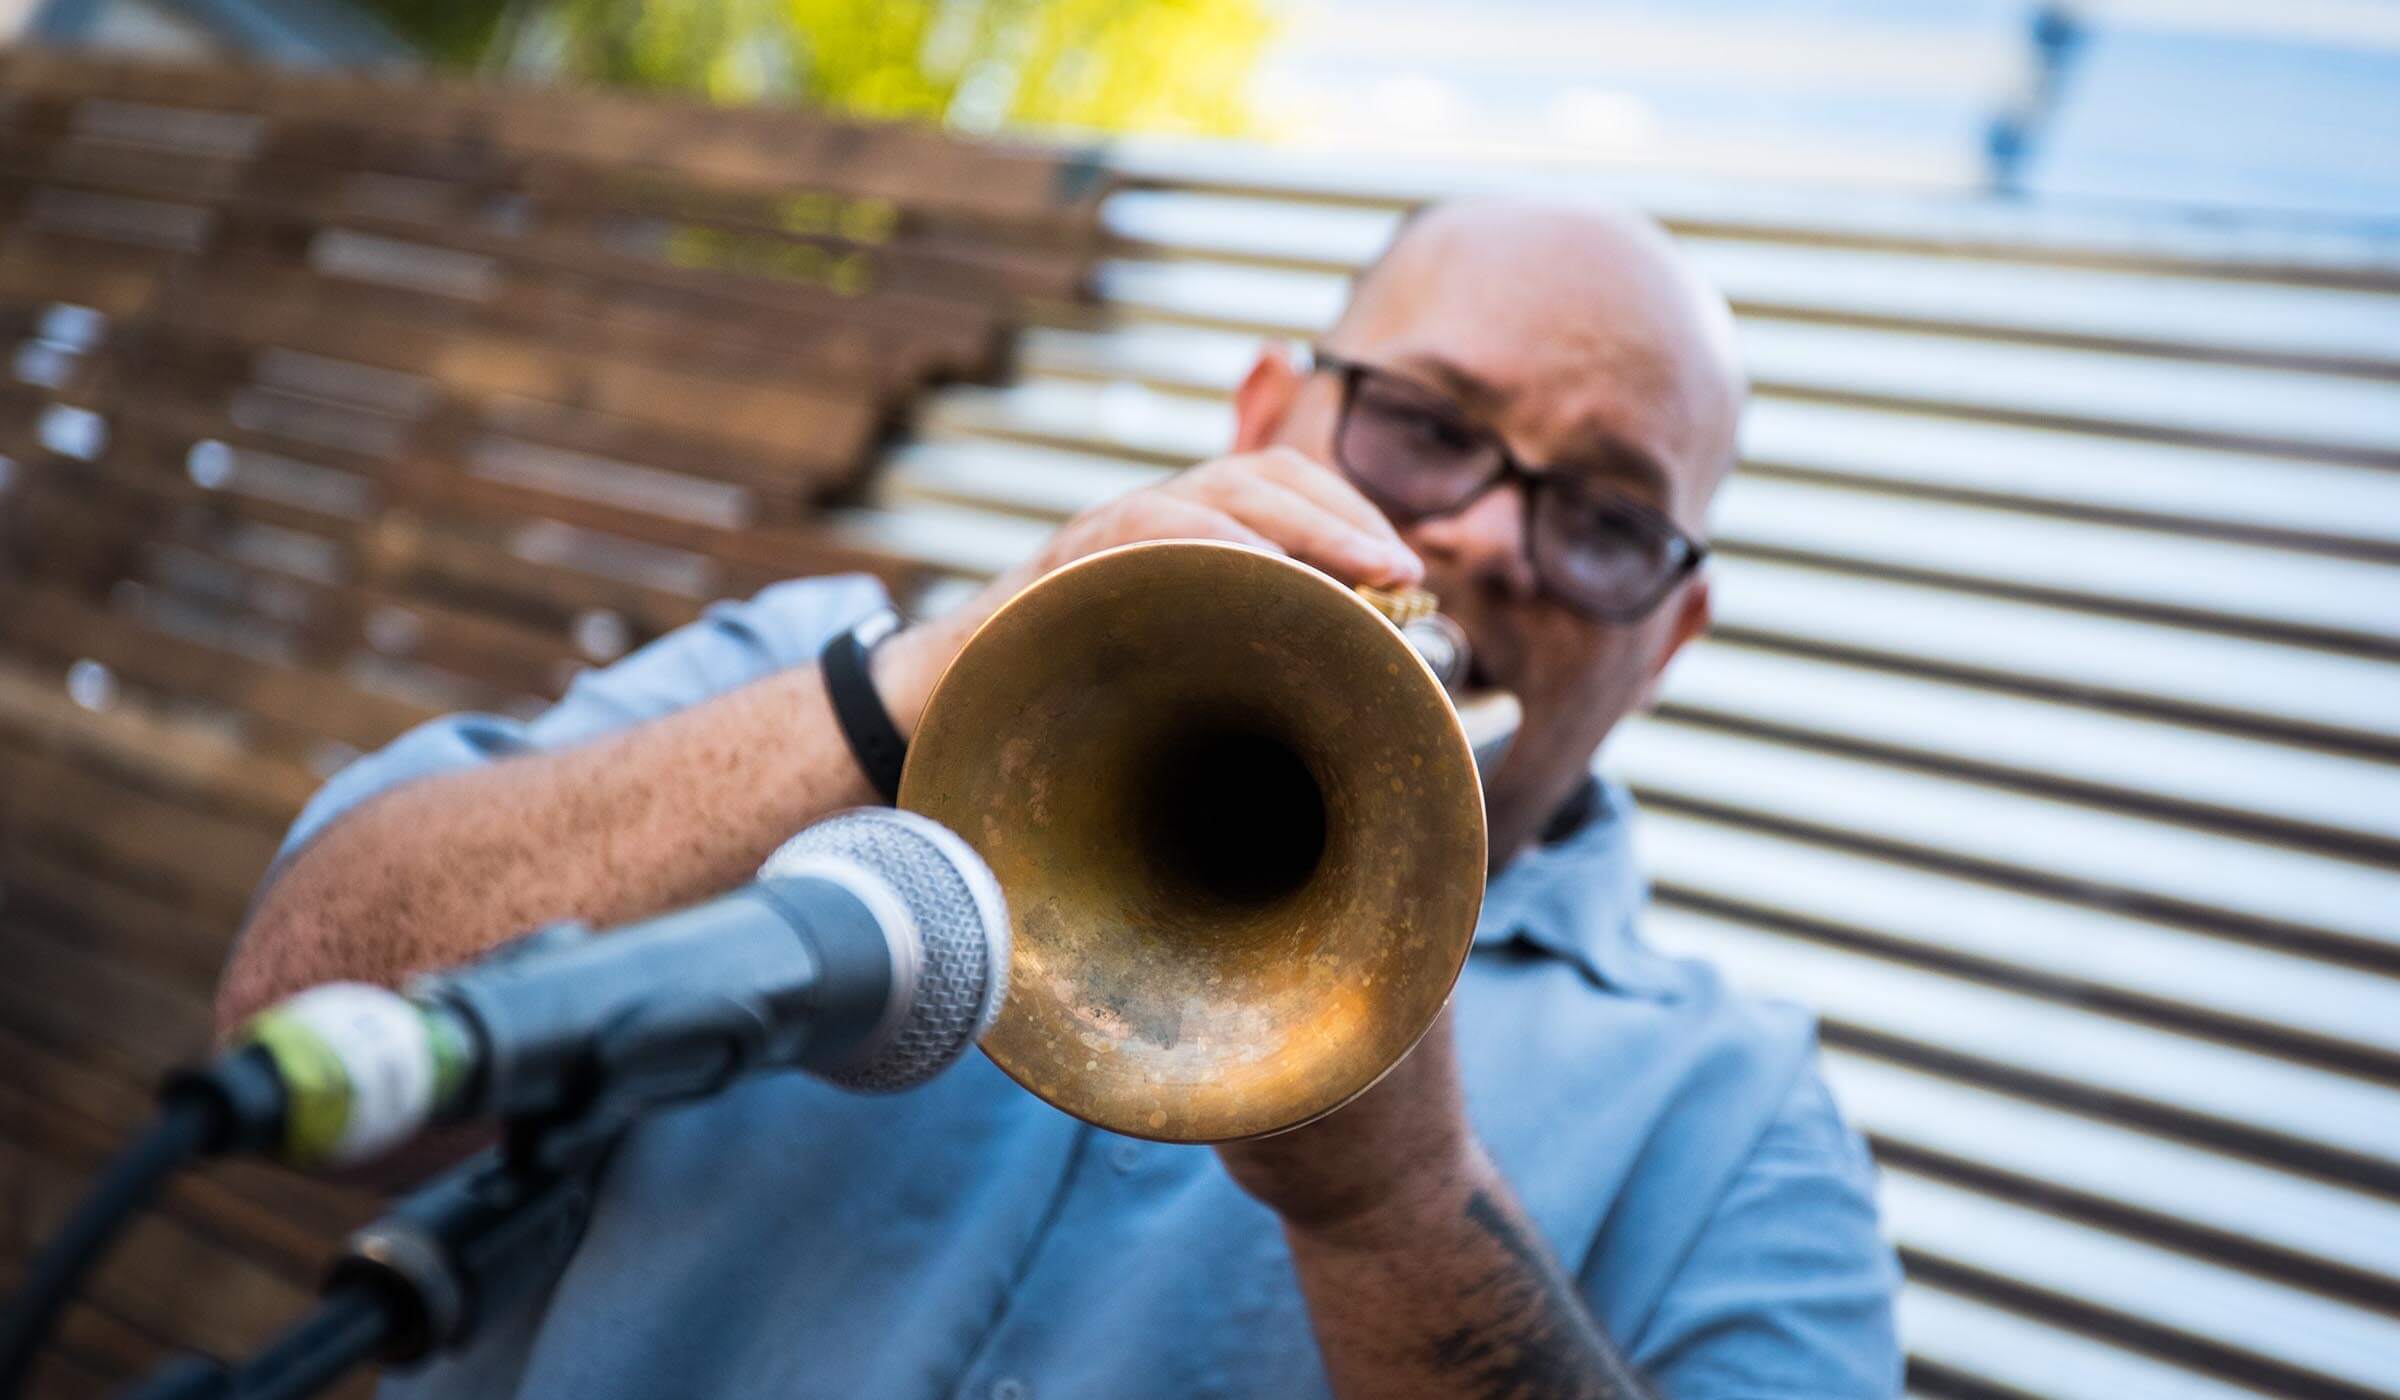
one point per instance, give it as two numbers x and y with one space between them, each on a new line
1577 895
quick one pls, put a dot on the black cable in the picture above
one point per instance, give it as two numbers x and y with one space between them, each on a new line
188 1376
349 1326
235 1104
185 1122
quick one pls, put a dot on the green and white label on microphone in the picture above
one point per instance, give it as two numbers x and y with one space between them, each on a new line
362 1070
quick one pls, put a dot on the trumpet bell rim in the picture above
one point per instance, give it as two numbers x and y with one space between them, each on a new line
1151 1002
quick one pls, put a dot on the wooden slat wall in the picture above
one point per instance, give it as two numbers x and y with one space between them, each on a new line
332 404
2049 744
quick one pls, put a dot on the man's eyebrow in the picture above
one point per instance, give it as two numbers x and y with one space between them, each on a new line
1471 389
1612 458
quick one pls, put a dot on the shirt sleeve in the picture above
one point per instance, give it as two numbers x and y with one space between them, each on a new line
730 645
1788 1291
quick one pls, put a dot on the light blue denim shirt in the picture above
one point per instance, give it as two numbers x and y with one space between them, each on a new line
1672 1142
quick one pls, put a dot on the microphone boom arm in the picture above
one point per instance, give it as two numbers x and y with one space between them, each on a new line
423 1277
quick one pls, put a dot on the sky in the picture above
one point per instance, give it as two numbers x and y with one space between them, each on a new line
2195 102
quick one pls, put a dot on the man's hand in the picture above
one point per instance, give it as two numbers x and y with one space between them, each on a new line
1276 498
1377 1159
1422 1273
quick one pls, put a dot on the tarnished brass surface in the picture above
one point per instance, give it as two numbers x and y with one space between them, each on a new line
1136 744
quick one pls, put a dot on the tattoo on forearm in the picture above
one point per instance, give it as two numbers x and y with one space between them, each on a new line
1531 1340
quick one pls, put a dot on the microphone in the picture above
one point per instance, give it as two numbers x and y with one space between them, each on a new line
872 950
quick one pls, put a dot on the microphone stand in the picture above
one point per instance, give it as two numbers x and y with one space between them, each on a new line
474 1240
461 1249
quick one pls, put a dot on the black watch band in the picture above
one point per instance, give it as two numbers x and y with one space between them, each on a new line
874 740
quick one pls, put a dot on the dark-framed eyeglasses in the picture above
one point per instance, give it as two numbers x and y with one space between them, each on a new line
1417 455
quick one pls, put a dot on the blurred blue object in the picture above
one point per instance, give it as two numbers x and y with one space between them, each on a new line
2241 122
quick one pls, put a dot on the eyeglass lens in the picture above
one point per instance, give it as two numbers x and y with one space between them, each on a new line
1410 449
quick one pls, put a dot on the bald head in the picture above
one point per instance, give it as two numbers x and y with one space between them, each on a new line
1579 322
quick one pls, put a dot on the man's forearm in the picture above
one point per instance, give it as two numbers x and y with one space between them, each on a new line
1449 1292
683 806
661 814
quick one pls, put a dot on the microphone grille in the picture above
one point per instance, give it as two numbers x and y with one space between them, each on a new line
962 931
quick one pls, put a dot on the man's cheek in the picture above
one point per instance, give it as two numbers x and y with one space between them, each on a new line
1565 667
1598 678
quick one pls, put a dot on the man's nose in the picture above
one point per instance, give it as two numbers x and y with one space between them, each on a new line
1485 541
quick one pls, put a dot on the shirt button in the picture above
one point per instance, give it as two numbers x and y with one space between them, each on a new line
1010 1388
1125 1156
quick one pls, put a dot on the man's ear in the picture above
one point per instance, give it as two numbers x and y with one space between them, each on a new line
1693 614
1265 398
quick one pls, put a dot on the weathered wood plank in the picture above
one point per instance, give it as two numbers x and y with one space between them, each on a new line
49 622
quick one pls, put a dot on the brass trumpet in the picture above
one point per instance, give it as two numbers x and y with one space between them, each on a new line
1238 824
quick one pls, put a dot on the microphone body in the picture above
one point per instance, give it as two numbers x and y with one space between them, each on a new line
872 950
794 971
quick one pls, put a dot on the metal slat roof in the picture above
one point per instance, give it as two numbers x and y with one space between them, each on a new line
2133 760
2049 745
1967 1337
2042 839
2083 653
2062 1150
2312 1336
1945 917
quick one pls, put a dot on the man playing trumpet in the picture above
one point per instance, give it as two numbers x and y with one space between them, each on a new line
1598 1175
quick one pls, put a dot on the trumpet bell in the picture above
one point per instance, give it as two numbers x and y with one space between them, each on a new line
1238 826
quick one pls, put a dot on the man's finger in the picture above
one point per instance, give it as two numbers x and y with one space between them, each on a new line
1164 515
1326 486
1308 531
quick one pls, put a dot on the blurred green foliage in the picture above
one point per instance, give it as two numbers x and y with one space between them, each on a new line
1178 66
456 35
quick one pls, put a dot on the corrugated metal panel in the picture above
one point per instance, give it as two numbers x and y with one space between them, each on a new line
2049 745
